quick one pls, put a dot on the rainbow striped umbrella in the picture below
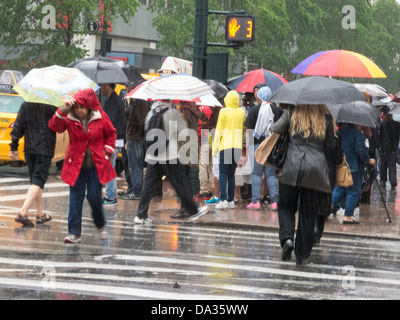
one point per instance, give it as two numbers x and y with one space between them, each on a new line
339 63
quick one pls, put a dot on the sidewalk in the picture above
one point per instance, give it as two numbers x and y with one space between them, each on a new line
373 217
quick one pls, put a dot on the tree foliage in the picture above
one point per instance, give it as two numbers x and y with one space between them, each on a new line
288 31
28 23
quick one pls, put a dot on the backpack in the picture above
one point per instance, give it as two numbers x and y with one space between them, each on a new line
155 122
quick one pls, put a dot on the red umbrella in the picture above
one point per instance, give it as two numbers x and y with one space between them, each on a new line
249 80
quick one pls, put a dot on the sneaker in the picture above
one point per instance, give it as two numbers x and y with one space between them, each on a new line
231 204
130 196
212 200
222 205
357 211
142 220
200 212
274 206
340 212
254 206
71 238
109 201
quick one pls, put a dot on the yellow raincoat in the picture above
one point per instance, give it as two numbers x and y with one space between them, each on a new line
229 131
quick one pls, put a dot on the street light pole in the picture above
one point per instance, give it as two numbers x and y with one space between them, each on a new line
200 39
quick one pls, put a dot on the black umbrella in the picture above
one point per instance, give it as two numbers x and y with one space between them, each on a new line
105 70
219 89
356 112
316 90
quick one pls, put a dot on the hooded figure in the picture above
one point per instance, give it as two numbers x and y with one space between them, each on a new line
87 163
97 136
229 130
228 142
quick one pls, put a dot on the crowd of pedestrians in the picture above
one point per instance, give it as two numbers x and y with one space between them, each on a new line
217 145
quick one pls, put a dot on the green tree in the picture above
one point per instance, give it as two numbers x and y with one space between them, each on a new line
28 24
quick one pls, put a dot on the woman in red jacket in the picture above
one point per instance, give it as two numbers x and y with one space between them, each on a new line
91 142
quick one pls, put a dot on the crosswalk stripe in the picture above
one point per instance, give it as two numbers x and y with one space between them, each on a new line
23 196
85 288
26 186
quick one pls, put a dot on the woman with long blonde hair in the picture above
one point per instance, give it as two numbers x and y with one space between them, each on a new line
305 177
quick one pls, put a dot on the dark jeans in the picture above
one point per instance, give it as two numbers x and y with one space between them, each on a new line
388 161
228 160
135 160
89 179
177 175
307 202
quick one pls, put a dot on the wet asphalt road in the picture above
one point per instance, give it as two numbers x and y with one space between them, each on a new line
177 261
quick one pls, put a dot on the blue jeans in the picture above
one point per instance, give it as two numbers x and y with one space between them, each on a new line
352 194
111 187
135 161
227 165
87 177
256 181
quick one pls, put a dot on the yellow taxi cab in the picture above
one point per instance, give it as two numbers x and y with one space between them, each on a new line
10 102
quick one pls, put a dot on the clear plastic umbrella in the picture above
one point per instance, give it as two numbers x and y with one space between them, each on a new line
53 85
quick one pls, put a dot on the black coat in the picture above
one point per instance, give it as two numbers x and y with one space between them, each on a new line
32 122
114 107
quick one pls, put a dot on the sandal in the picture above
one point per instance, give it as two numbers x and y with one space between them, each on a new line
24 220
44 218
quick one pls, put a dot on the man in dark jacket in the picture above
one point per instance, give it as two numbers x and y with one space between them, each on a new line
136 112
32 122
387 146
114 107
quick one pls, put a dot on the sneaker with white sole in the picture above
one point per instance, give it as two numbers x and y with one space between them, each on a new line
200 212
222 205
231 204
212 200
142 220
71 238
254 206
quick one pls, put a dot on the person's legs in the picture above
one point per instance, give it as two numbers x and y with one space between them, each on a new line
256 180
392 157
181 183
135 159
287 207
111 187
222 176
309 200
352 195
151 179
272 183
384 161
94 197
76 198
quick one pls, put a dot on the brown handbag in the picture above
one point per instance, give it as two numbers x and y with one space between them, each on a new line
265 148
343 174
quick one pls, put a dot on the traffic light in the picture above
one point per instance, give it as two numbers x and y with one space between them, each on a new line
239 28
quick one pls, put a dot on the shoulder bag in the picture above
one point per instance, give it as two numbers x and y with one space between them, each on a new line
343 174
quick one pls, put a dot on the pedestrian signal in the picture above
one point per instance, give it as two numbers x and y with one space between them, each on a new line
239 28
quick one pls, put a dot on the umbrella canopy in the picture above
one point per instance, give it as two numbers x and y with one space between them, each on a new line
372 89
174 87
53 85
316 90
356 112
339 63
105 70
219 89
247 82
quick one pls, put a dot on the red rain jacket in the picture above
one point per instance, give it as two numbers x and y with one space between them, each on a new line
99 138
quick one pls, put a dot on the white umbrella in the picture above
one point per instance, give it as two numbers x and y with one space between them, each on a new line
174 87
